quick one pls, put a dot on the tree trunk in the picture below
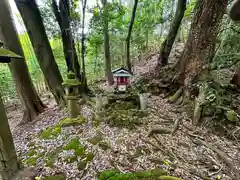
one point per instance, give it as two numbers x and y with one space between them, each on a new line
108 66
199 50
200 46
9 165
26 91
84 80
62 15
34 25
168 42
129 65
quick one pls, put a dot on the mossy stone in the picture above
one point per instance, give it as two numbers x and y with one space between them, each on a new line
231 116
81 165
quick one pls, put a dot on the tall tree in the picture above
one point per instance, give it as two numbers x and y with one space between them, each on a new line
200 47
62 15
108 66
129 66
175 24
84 3
26 91
35 28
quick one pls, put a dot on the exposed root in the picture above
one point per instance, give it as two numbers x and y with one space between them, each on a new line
177 95
175 126
221 154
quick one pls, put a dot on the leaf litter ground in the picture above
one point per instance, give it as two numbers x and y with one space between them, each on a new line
127 150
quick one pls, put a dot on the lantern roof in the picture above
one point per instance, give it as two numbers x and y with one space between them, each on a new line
121 72
6 55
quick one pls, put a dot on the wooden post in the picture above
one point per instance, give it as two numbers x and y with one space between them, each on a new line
8 158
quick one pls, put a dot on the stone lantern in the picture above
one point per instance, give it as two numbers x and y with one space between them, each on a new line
9 165
71 85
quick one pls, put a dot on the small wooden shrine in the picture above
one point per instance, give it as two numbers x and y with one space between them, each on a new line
9 165
121 78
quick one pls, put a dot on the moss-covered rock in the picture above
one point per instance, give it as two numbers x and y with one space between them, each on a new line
72 121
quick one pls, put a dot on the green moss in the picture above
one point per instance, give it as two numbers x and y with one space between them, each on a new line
57 177
71 159
104 145
80 151
81 165
50 132
71 82
31 152
72 121
56 130
107 174
50 157
74 144
89 156
168 178
32 161
46 134
30 144
49 162
140 175
95 140
231 116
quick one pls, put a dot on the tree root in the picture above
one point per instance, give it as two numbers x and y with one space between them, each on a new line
174 98
175 126
158 130
221 154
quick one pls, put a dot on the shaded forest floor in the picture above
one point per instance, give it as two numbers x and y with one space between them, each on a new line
81 151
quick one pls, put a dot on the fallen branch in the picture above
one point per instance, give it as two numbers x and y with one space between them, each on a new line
221 154
158 130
